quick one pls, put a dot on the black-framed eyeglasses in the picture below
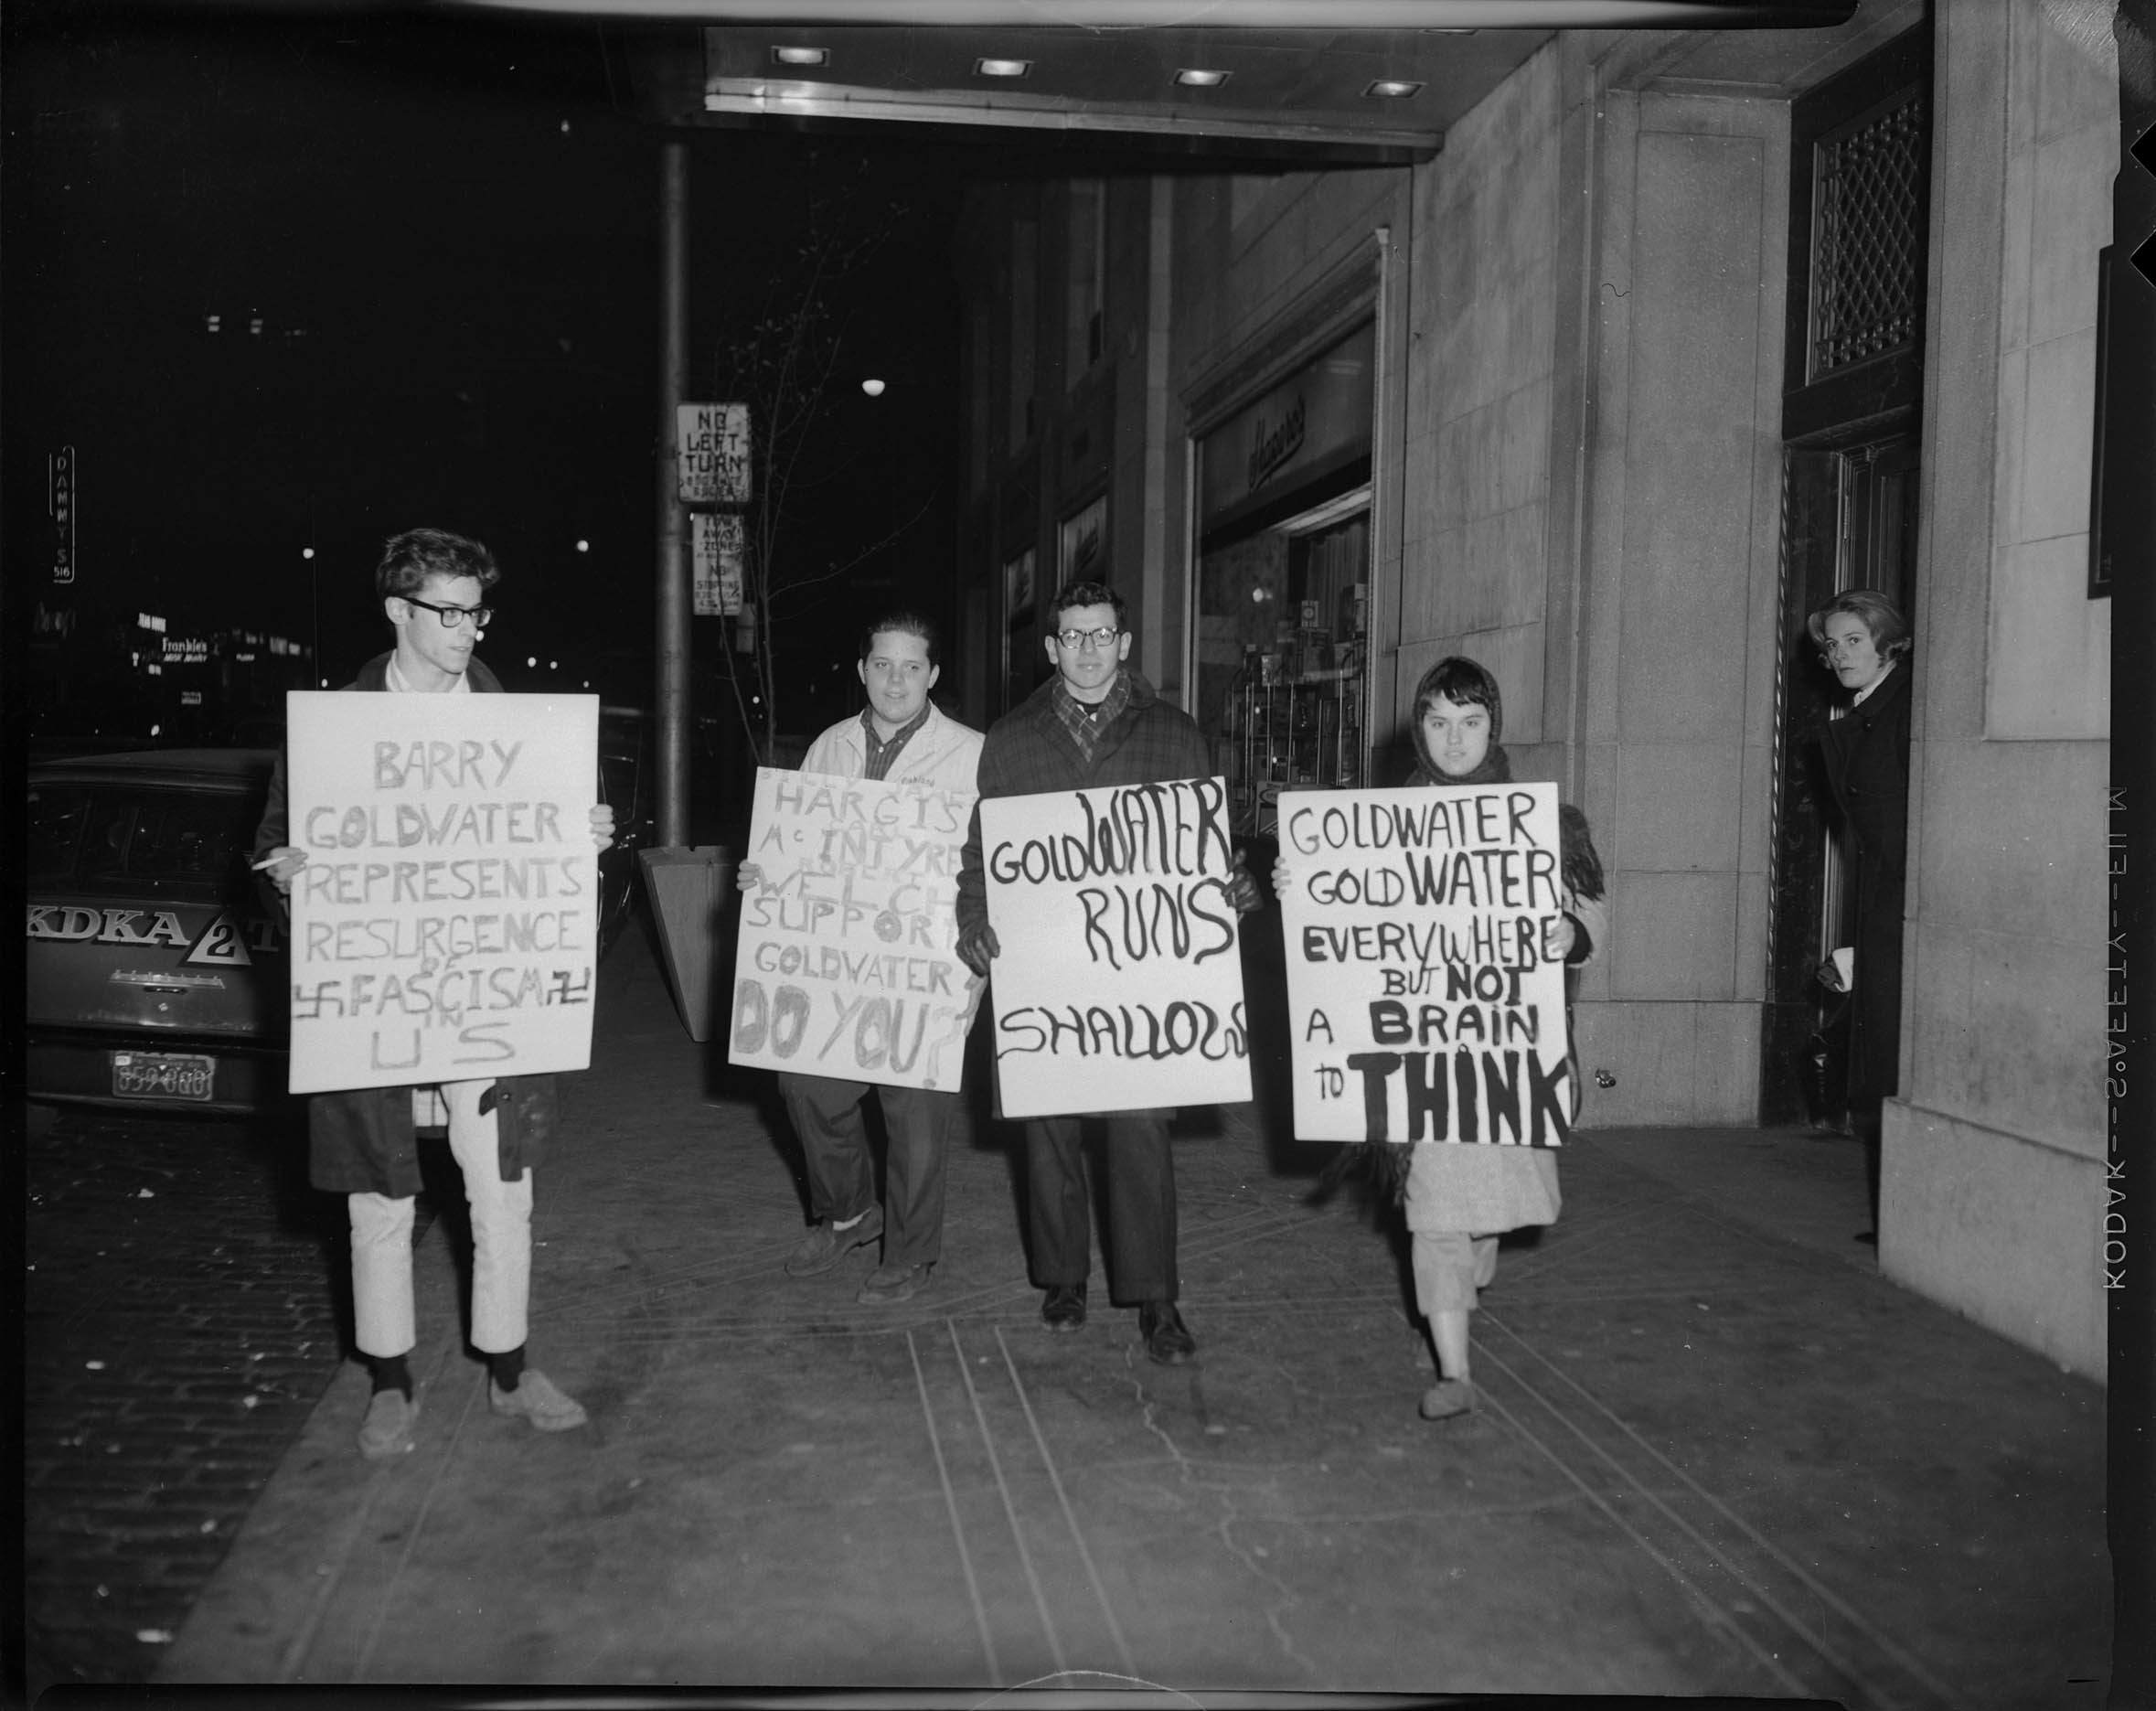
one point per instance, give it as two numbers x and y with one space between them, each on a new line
451 617
1104 638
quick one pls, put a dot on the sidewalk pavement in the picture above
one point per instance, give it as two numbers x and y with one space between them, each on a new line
1718 1453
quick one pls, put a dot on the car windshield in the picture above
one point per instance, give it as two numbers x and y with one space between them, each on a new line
114 832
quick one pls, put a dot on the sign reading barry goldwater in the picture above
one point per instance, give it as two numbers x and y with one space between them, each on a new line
1118 985
445 923
846 964
1419 1004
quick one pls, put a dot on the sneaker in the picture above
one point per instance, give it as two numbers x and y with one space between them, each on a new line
1448 1398
386 1432
888 1285
536 1399
826 1246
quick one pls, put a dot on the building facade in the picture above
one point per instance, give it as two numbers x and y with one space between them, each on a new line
1678 333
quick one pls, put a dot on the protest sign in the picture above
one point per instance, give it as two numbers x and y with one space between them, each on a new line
846 964
1118 985
445 924
1420 1005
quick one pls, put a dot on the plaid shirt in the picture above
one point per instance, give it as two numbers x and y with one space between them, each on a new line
881 753
1029 753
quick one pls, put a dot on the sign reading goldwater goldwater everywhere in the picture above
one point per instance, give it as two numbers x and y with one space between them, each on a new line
445 924
1118 985
846 964
1419 1004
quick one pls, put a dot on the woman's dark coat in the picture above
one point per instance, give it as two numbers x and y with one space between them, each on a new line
362 1141
1867 756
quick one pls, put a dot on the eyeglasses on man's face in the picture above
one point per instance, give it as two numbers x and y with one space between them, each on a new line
1103 638
451 617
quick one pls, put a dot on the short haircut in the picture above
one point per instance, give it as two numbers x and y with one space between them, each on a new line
902 622
1074 595
408 559
1879 616
1465 683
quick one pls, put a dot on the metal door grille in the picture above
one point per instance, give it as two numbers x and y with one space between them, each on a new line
1867 240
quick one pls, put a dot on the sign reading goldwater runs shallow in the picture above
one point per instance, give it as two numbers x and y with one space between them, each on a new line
846 964
1117 984
1420 1005
445 927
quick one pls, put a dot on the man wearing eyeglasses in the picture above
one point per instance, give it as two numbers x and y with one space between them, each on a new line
1096 722
433 586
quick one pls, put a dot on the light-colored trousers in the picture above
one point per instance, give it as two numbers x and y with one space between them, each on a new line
1451 1270
501 1236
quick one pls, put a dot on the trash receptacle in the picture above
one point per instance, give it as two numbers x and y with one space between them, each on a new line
692 891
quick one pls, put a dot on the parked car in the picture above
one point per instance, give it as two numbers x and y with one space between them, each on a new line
625 781
155 964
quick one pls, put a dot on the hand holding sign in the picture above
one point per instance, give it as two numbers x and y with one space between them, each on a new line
1426 938
443 880
845 966
1118 986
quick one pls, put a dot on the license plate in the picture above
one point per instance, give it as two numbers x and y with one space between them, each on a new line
163 1076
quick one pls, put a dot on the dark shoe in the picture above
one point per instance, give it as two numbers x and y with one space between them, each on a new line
1064 1309
1167 1339
888 1285
825 1246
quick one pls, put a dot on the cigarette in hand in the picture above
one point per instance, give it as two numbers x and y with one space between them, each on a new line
266 861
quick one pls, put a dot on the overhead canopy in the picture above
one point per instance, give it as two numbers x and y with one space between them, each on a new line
1381 82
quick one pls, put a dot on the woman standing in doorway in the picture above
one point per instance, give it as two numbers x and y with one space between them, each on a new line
1863 640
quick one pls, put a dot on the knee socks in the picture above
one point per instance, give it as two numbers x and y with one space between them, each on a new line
507 1369
392 1372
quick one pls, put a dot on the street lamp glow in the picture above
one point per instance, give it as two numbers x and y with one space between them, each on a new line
531 662
874 389
583 546
553 665
306 553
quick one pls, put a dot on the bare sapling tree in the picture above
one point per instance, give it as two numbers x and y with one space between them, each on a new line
783 363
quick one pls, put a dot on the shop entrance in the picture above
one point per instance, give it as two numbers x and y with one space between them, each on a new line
1859 158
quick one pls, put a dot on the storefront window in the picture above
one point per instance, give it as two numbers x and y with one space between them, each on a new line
1282 629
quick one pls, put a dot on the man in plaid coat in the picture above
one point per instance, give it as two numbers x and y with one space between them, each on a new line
1097 723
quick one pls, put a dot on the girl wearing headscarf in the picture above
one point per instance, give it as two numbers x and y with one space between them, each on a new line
1460 1197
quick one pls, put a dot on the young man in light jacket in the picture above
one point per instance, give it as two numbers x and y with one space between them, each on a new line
899 735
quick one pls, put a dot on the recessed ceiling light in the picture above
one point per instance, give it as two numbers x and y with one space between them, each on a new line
1002 68
1191 79
801 56
1390 88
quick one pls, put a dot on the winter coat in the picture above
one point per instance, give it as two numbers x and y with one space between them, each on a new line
1867 756
1029 753
362 1140
943 753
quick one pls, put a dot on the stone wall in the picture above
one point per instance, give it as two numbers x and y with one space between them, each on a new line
1993 1191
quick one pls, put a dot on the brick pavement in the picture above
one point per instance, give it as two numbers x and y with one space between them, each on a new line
181 1321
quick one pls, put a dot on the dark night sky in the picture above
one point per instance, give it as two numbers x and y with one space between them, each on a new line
449 230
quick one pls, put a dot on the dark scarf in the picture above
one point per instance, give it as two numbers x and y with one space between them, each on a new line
1084 724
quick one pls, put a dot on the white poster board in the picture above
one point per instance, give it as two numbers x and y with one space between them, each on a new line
1419 1002
1118 984
445 924
711 453
716 539
845 966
